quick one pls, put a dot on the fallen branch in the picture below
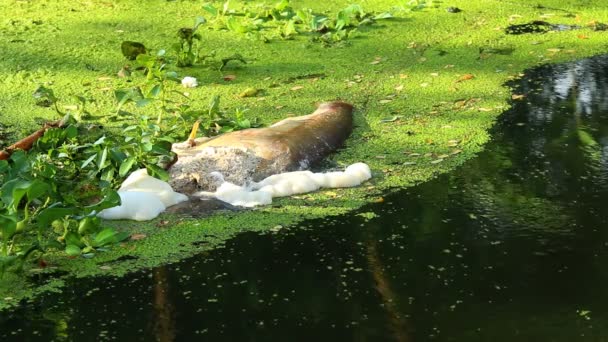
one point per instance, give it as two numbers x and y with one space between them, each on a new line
28 142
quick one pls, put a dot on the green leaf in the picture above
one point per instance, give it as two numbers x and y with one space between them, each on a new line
384 15
143 102
102 158
158 172
88 161
199 21
110 200
37 188
105 237
72 250
52 213
155 91
8 226
210 9
586 138
126 166
71 238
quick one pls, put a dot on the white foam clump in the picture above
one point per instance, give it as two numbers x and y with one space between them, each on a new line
290 183
189 82
143 198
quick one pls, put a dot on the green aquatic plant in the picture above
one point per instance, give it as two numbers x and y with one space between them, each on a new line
187 48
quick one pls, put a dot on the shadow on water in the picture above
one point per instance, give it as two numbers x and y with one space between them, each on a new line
512 246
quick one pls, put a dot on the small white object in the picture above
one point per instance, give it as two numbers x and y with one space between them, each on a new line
189 82
143 198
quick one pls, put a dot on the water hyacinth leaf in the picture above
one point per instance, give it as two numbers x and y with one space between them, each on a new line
72 250
235 57
53 213
71 238
36 189
45 97
8 226
108 236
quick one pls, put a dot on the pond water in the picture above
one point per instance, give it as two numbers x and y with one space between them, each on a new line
512 246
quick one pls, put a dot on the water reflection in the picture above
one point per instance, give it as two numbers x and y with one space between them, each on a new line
511 246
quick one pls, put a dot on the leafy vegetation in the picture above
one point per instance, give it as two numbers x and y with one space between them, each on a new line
282 21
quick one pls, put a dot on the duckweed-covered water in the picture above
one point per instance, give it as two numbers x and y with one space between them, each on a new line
513 246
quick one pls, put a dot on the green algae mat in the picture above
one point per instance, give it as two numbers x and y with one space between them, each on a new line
426 77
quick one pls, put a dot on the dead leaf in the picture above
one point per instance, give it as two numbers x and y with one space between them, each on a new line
402 76
105 268
229 78
393 119
517 96
436 161
104 78
582 36
482 109
249 92
297 88
434 74
136 237
409 163
379 200
465 77
399 87
385 101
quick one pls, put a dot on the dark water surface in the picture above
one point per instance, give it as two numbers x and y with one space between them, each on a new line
513 246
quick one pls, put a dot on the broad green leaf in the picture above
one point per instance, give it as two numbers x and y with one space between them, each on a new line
72 250
36 189
126 166
71 238
105 237
8 226
53 213
155 91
